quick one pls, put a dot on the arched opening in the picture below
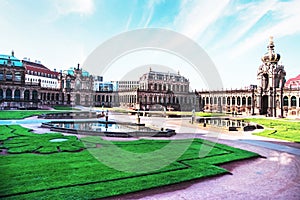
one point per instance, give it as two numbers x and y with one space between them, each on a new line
215 100
293 101
17 94
238 101
249 101
233 100
68 98
264 104
8 94
26 95
244 101
34 95
285 101
228 101
57 97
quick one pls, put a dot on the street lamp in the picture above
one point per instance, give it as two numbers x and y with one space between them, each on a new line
253 87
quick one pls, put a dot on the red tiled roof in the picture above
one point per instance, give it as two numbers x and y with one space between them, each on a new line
36 67
291 80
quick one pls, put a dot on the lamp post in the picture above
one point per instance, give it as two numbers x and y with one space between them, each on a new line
253 87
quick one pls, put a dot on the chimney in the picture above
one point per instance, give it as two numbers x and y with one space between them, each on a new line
78 66
12 53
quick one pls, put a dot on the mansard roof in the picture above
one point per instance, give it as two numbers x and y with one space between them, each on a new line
37 67
6 59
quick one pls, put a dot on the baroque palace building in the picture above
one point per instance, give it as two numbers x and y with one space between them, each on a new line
272 96
160 89
31 85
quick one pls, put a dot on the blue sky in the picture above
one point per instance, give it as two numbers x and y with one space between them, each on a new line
62 33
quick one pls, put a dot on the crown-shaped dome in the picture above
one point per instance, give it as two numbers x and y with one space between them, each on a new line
271 56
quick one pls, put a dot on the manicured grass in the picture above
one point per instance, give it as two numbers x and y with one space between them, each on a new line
205 114
64 108
80 175
280 129
21 114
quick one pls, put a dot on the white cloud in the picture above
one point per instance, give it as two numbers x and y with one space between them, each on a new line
288 17
149 11
82 7
195 16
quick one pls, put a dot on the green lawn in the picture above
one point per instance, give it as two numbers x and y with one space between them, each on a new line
280 129
205 114
21 114
56 173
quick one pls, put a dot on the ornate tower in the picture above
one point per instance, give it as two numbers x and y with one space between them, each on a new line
271 80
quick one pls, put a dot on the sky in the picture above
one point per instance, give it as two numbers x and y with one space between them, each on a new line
234 33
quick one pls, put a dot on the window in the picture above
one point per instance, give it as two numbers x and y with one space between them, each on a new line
233 100
244 101
285 101
8 94
249 101
8 76
293 101
239 101
1 76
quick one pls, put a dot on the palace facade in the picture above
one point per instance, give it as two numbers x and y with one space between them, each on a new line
31 85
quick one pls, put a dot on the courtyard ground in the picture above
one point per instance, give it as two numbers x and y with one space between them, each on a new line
277 176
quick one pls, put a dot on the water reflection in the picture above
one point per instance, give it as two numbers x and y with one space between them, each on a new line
102 127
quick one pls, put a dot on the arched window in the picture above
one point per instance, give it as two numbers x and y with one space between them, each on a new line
57 97
52 97
233 100
249 101
215 100
244 101
285 101
8 93
293 101
26 95
228 101
17 94
34 95
238 101
211 100
224 101
207 100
